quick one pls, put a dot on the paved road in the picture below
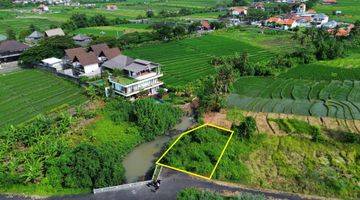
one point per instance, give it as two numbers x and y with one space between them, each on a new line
172 182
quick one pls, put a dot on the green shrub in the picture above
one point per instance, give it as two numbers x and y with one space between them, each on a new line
199 194
246 129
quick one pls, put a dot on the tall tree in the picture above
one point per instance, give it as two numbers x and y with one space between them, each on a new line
10 33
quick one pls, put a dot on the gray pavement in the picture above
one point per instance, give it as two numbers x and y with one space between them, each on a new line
172 182
9 67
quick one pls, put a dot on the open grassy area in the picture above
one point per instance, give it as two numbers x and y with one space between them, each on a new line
281 162
187 60
349 8
197 151
114 31
27 93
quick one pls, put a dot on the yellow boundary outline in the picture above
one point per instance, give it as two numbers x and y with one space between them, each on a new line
186 132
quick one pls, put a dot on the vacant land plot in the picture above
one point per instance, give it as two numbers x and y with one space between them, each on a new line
187 60
282 163
26 93
114 31
349 8
197 152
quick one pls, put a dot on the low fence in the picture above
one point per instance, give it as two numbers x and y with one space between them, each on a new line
119 187
53 70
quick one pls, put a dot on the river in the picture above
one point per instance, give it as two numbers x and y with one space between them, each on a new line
141 159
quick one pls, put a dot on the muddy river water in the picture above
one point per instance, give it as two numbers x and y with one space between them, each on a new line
141 159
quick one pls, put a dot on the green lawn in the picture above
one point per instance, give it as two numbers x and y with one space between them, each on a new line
186 60
27 93
114 31
349 8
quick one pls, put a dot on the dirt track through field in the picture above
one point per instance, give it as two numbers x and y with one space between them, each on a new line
265 125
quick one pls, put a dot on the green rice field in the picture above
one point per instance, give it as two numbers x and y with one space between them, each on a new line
332 98
114 31
189 59
349 8
20 19
27 93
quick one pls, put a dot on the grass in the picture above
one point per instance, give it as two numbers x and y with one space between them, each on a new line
349 8
198 151
40 190
27 93
189 59
282 163
124 80
114 31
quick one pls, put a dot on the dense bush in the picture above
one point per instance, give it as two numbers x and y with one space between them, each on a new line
246 128
153 118
39 152
48 47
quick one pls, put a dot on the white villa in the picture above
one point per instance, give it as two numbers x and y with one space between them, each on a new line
129 76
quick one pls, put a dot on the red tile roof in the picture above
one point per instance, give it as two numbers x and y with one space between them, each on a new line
71 53
205 24
111 53
98 48
86 58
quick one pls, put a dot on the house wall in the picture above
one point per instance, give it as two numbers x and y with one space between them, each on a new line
88 69
151 85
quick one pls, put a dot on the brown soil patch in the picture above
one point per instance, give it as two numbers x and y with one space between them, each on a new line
218 119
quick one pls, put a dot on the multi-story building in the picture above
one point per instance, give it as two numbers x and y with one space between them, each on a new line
130 77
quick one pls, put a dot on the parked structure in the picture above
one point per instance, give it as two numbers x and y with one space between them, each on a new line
87 62
82 40
239 11
129 76
82 62
54 32
54 63
111 7
329 2
2 38
10 50
34 37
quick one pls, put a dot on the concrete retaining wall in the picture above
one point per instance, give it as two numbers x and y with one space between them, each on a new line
119 187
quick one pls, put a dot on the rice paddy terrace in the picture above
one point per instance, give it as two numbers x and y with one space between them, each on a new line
326 92
186 60
26 93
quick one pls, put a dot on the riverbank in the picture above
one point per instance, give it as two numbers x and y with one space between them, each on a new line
140 161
